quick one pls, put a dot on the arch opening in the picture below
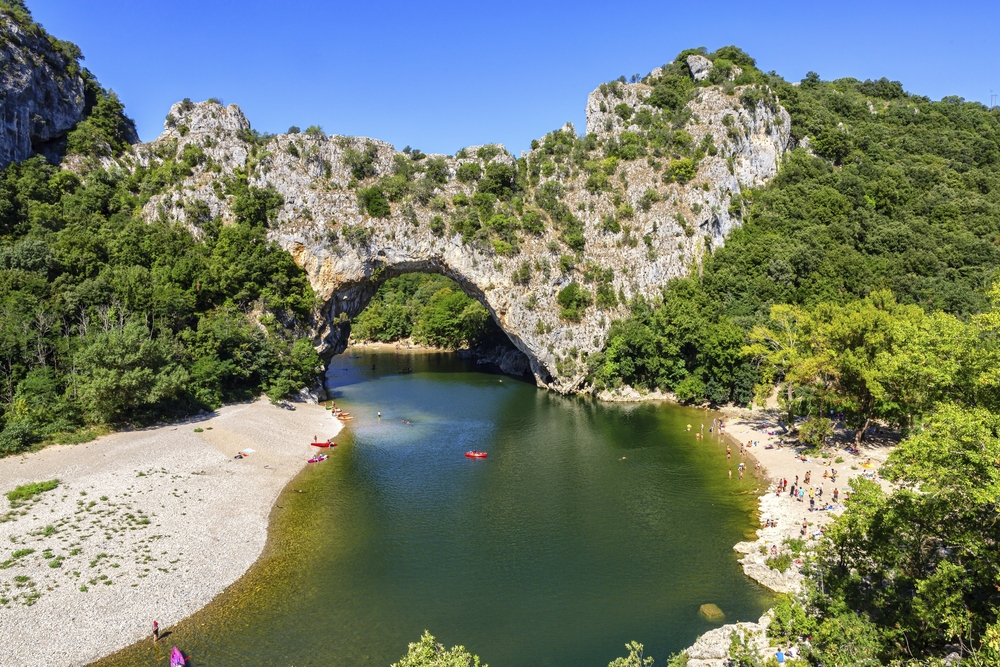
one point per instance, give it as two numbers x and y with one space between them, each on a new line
491 344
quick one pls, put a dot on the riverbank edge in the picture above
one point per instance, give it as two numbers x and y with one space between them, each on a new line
280 440
759 427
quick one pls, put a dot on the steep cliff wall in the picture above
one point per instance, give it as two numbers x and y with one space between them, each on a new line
41 90
603 212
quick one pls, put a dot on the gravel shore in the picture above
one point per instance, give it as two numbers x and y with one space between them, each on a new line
782 462
144 525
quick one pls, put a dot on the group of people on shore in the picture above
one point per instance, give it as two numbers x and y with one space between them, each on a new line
798 491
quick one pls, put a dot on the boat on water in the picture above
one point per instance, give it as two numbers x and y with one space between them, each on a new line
345 419
324 444
177 658
404 371
318 458
476 454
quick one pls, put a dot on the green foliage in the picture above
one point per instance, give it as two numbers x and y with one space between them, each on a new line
428 653
430 308
681 171
24 492
781 562
358 235
361 162
469 172
522 275
105 130
913 207
635 657
110 319
374 202
573 301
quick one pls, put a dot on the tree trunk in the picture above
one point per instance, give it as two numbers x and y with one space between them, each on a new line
859 435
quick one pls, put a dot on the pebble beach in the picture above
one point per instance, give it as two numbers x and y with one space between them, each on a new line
147 524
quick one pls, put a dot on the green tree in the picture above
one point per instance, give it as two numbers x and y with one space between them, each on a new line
429 653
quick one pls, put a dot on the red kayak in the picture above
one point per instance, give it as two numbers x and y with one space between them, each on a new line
177 658
473 454
324 444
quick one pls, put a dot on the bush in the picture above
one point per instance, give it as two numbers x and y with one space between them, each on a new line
781 562
573 301
681 171
523 274
361 163
533 222
358 235
27 491
374 202
437 225
690 389
16 438
436 170
469 172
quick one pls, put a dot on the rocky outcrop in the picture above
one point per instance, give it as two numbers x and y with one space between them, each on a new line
700 66
712 648
41 91
664 230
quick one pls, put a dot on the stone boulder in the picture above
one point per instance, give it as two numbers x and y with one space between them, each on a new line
700 66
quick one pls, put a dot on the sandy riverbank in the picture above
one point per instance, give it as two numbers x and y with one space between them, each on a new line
786 462
782 462
144 525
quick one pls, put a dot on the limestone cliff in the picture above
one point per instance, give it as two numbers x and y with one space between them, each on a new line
41 90
617 226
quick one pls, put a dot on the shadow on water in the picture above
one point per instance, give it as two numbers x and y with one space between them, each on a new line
589 525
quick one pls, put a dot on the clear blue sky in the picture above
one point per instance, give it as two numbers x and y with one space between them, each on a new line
443 75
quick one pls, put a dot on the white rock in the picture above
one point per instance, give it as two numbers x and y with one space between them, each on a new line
700 66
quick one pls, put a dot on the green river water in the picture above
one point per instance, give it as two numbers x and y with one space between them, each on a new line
589 525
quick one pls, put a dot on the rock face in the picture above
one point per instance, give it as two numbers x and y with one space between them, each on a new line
348 254
700 66
41 92
712 648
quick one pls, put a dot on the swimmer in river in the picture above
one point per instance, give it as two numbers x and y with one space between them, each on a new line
380 415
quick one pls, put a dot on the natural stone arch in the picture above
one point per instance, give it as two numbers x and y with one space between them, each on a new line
352 297
346 252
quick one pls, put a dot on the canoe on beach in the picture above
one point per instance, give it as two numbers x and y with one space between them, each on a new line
176 658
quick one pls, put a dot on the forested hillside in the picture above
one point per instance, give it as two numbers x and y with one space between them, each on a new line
109 320
886 191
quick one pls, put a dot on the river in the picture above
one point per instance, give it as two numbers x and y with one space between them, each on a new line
588 525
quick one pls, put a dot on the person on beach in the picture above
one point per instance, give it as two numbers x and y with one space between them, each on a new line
802 494
779 655
836 494
156 632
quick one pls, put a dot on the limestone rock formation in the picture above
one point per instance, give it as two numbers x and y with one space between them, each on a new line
41 92
700 66
636 230
712 648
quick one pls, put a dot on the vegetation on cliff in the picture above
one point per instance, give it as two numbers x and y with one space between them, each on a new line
887 191
110 320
